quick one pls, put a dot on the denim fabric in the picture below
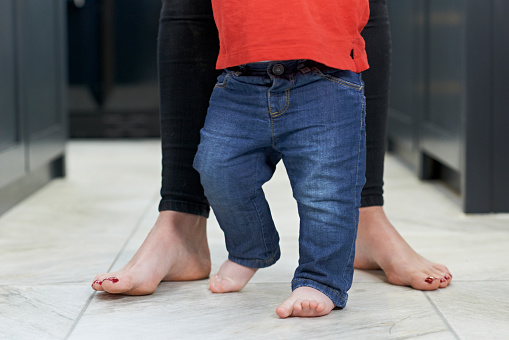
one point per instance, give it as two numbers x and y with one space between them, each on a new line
187 53
311 117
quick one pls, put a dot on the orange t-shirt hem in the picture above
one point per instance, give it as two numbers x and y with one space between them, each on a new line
340 60
324 31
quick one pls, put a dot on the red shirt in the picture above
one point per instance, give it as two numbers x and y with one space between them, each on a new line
326 31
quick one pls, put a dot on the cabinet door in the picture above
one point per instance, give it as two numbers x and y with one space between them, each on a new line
440 134
501 105
42 67
407 77
12 158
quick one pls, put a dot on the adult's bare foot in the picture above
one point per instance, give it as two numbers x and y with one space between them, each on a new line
380 246
176 249
305 302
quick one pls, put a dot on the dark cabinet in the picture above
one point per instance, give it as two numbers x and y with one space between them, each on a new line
449 108
113 80
12 157
32 96
42 71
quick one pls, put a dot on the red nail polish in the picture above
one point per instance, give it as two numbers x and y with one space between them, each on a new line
98 282
429 279
112 279
447 277
443 279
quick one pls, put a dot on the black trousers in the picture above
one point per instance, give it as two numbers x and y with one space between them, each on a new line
187 50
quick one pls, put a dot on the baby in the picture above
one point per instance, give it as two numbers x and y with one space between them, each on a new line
291 90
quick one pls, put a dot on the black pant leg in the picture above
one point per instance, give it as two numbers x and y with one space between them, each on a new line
187 51
376 78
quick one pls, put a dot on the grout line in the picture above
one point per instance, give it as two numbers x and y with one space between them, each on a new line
91 297
135 229
451 329
83 310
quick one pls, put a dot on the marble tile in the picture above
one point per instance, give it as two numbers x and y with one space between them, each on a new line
468 245
39 246
138 235
189 311
56 241
84 219
40 312
479 255
475 309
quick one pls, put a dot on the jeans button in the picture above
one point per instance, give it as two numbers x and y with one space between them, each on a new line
278 69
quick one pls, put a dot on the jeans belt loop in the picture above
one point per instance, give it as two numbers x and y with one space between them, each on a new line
301 66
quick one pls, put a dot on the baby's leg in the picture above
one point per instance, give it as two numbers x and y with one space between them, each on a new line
234 159
250 234
231 277
305 302
324 154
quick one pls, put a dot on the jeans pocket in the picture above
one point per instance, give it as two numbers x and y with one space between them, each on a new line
341 77
222 80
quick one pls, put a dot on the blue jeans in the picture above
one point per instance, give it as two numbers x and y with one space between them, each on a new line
311 117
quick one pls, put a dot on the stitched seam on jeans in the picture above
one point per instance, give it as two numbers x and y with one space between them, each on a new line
287 100
273 133
354 193
260 221
269 105
224 83
285 108
337 80
362 111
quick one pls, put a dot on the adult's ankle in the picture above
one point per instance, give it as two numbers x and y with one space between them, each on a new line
181 220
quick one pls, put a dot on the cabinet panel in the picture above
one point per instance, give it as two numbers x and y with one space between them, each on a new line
440 130
500 121
462 129
407 78
113 86
42 61
12 158
39 65
32 96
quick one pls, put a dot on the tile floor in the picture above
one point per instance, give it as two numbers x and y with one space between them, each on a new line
53 244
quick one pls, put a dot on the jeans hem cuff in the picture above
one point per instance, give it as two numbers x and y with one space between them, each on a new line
256 263
337 298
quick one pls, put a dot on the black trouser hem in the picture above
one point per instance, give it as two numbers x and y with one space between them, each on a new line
372 201
185 207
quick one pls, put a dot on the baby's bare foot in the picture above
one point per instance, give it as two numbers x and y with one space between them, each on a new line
380 246
305 302
176 249
231 277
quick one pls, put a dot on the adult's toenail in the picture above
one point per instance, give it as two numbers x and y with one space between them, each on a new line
112 279
98 282
447 277
429 279
443 279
